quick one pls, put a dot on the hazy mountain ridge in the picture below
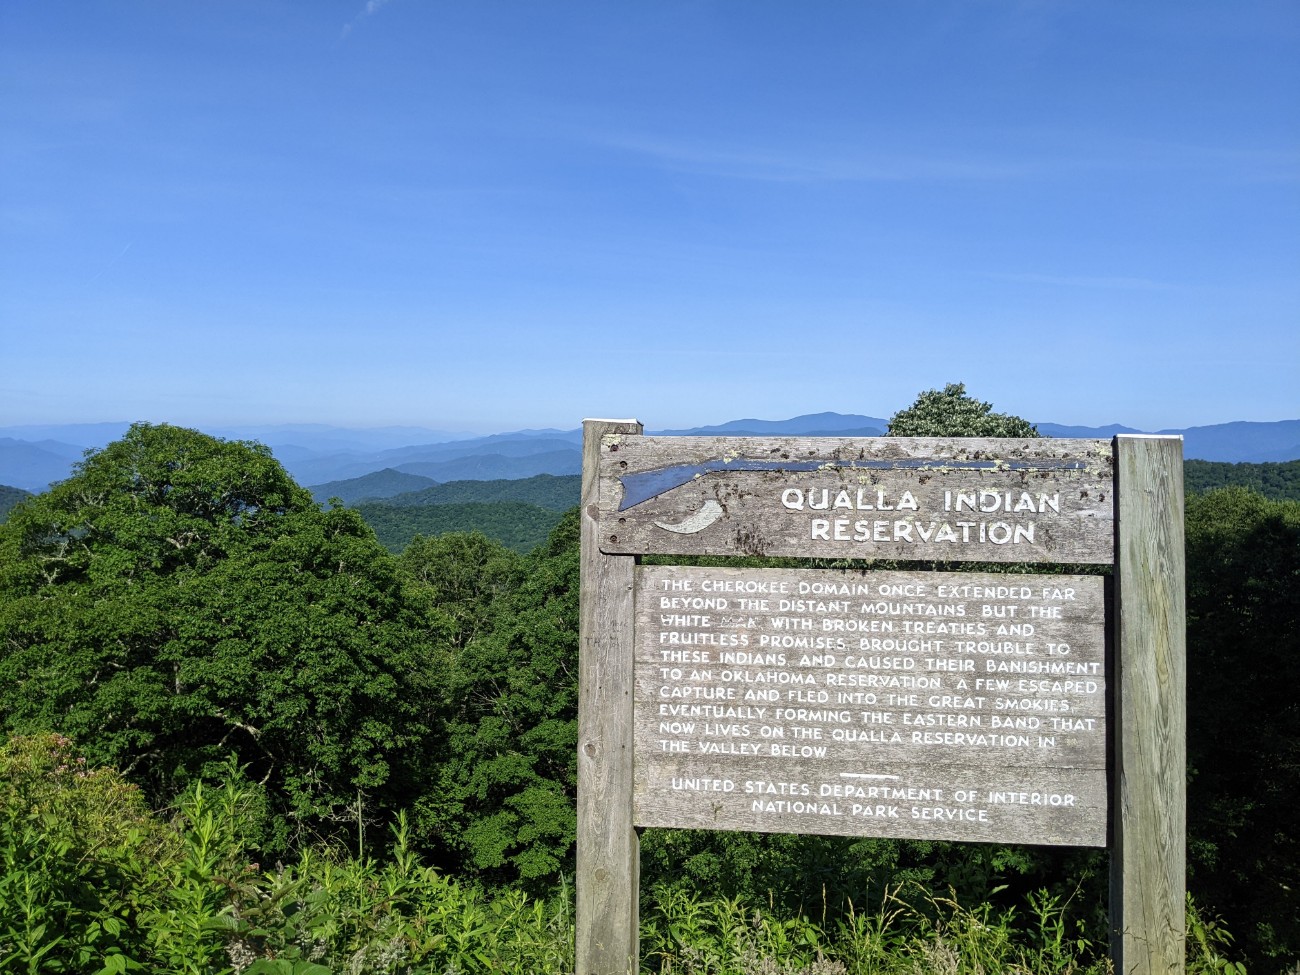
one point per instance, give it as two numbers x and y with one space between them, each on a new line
1243 441
396 489
808 425
381 485
1082 433
31 457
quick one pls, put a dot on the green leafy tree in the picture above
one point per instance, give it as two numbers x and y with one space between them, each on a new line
180 598
1243 723
949 412
73 839
502 802
466 576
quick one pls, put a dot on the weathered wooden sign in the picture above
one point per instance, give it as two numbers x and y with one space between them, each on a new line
928 705
862 498
958 705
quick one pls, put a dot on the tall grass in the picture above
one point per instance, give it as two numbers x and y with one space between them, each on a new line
909 933
94 883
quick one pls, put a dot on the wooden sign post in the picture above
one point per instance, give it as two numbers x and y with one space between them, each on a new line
608 865
1149 800
930 705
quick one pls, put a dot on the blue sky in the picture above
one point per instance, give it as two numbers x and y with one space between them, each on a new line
490 215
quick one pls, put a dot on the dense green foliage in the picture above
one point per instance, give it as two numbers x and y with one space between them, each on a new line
93 881
1278 482
10 496
467 576
516 525
1243 608
505 791
179 599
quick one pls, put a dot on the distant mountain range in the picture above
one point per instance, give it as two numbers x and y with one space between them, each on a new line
385 462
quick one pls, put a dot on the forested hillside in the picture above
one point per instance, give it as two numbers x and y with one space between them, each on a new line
379 484
518 526
1280 482
556 492
518 513
254 681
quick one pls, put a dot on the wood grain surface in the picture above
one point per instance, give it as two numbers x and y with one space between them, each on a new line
1038 500
1148 861
989 685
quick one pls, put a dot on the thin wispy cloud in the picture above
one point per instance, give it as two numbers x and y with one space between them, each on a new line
121 254
777 166
1111 282
371 8
1031 157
